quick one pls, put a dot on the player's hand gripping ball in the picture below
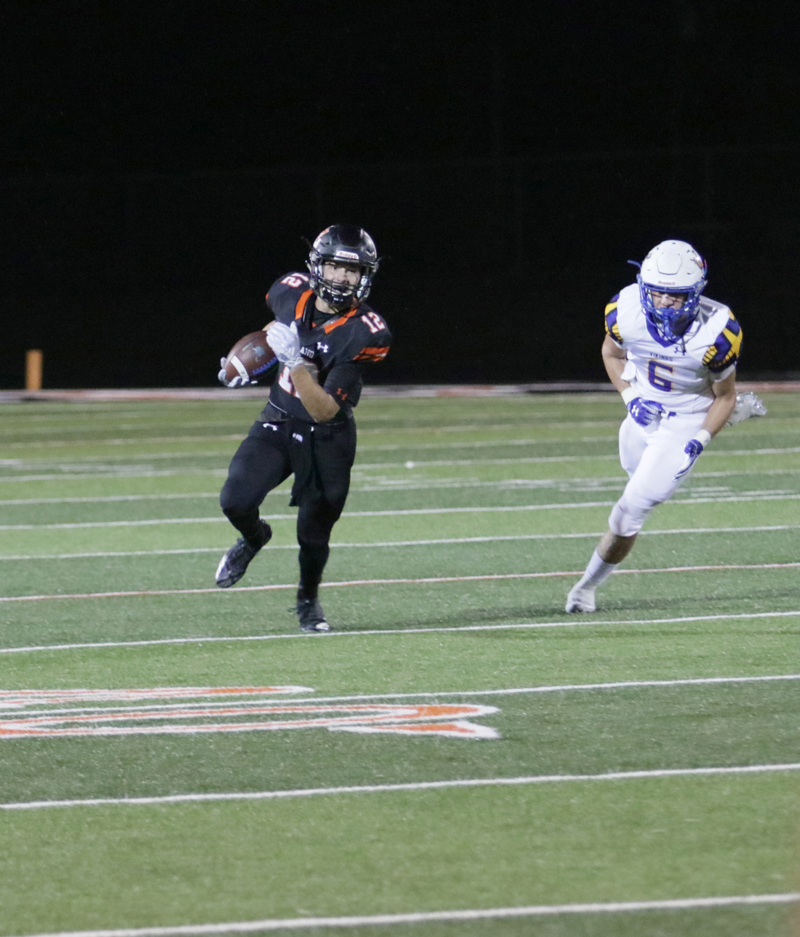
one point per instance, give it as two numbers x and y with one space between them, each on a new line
286 342
250 360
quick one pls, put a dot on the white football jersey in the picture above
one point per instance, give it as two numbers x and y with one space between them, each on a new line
678 374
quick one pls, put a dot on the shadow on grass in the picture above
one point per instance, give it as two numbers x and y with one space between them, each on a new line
675 606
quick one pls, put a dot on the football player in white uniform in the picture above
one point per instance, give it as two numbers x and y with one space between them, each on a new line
671 353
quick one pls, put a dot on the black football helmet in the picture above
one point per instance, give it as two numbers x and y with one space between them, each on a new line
346 244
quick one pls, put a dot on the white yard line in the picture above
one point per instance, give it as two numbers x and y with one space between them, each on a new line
27 697
136 458
724 453
122 441
455 629
482 443
606 483
57 428
427 580
442 541
533 460
139 471
495 509
555 688
420 917
410 786
115 475
531 421
379 447
103 499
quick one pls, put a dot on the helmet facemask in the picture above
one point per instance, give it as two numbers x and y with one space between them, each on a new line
671 323
340 295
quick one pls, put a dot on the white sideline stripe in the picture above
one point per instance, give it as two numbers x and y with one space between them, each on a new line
572 623
408 786
221 519
418 917
405 543
429 580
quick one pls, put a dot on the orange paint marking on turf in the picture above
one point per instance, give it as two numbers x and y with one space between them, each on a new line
69 720
18 698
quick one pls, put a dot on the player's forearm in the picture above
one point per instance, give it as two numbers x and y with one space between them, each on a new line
720 411
614 360
319 403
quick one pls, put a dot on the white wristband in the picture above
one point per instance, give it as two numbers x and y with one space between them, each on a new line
628 394
703 437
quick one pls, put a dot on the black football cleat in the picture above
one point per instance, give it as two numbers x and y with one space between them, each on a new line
311 616
234 564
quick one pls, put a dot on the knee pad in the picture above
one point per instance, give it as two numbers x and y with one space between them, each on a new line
628 515
234 505
314 532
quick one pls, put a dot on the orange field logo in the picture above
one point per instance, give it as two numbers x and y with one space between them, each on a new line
185 710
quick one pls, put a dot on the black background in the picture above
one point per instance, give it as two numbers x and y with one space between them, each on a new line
161 163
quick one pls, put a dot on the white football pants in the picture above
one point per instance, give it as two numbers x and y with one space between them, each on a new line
651 455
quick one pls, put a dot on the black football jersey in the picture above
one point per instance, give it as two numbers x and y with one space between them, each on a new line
339 346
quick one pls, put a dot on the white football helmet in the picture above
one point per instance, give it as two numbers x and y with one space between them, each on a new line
672 267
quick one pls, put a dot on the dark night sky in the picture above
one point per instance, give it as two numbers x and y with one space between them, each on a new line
119 85
119 90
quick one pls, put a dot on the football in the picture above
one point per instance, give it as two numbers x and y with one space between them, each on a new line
252 357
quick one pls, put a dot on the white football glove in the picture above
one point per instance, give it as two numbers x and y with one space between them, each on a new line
240 380
285 342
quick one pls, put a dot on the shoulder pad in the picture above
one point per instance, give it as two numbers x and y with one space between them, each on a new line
374 337
286 293
726 348
612 328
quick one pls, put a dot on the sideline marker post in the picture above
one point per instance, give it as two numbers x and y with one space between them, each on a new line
33 369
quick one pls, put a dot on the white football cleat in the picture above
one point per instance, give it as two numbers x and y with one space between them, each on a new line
747 405
580 600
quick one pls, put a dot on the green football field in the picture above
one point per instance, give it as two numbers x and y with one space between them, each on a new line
458 756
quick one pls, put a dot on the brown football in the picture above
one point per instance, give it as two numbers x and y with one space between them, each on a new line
250 356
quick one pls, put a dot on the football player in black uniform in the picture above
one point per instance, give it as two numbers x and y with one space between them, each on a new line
323 335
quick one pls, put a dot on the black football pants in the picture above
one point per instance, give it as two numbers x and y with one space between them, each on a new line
320 456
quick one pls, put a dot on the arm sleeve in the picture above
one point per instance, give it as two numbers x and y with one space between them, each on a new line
343 383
